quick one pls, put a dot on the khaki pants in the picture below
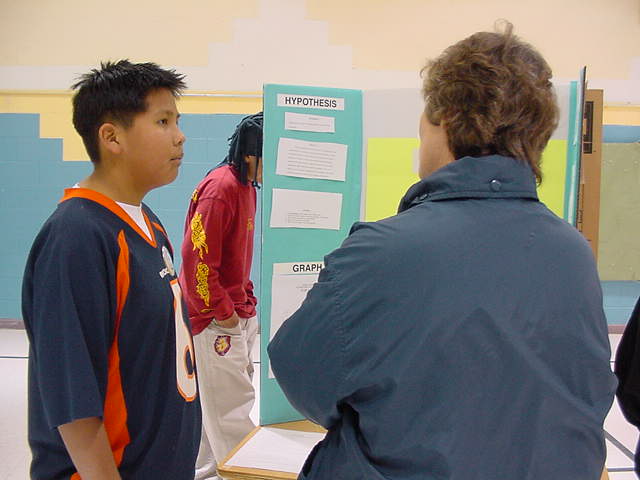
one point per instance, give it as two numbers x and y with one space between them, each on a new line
225 370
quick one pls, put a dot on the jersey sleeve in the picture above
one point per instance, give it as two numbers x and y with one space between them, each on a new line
202 258
68 310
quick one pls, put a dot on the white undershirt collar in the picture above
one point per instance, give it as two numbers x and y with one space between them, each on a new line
135 212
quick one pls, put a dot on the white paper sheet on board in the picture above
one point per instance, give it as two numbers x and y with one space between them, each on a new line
289 286
276 449
305 122
305 209
302 158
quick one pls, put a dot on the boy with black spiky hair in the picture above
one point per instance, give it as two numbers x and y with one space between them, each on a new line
216 264
112 386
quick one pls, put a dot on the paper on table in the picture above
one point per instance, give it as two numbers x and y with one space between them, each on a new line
276 449
616 458
301 158
305 122
305 209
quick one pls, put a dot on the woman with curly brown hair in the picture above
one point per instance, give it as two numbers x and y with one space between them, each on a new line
463 338
495 95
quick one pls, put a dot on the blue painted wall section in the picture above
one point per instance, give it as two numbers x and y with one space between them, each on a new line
619 300
620 133
33 177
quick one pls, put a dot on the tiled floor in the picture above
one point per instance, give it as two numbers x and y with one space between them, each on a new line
14 452
15 456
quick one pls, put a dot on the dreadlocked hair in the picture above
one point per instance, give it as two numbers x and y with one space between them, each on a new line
246 140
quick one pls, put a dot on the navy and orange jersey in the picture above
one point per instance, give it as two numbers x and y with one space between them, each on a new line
108 338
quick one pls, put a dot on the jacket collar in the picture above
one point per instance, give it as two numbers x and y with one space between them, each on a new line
493 176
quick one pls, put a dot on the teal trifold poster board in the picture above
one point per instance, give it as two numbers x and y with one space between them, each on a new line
574 147
312 184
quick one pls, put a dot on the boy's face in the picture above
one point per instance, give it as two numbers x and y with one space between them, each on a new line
152 146
252 172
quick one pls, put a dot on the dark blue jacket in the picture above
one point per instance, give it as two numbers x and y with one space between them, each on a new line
463 338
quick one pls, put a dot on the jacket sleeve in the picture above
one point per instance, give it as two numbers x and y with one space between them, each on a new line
320 356
627 369
202 258
306 353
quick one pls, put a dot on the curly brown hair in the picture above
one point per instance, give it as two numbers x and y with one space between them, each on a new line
493 93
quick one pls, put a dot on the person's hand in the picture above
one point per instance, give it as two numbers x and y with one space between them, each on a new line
230 322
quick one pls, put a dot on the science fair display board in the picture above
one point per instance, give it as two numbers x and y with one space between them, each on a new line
312 177
316 184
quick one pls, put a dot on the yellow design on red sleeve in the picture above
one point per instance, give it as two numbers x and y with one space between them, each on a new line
202 278
198 235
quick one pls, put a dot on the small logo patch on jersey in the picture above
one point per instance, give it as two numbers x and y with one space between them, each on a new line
222 344
167 261
250 224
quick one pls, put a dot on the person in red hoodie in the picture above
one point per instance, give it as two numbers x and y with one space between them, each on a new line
216 262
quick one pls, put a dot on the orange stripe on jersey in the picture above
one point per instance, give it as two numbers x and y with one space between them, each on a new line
159 227
75 476
116 209
166 235
115 409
